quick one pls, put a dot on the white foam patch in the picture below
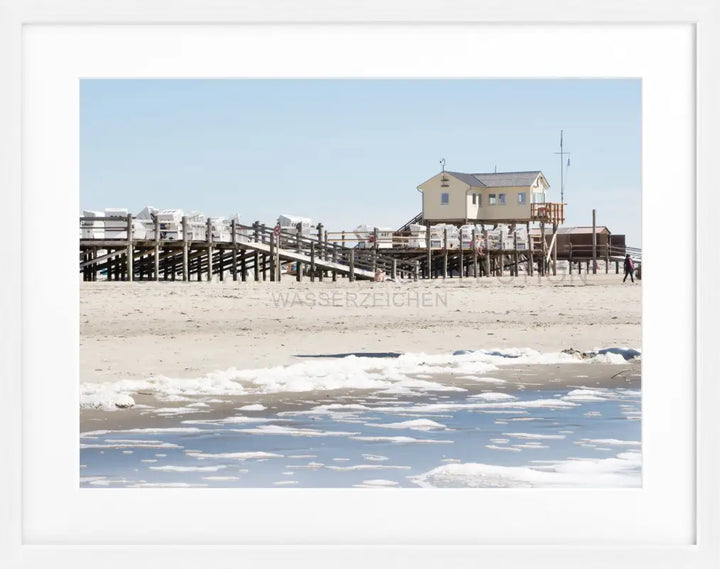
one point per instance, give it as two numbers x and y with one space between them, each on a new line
220 478
309 466
613 442
621 471
484 379
294 431
400 440
172 468
415 425
250 455
375 457
170 411
137 444
351 372
166 485
367 467
533 436
253 407
376 483
496 447
150 430
235 420
107 399
493 397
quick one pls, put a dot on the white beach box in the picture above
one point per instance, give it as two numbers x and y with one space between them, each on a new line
384 237
221 231
293 223
437 236
170 221
362 234
417 238
116 229
522 238
92 229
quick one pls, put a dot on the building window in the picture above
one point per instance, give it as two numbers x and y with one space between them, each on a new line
444 198
474 199
493 199
501 199
521 198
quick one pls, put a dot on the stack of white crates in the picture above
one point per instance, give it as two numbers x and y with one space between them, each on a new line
116 229
92 229
437 236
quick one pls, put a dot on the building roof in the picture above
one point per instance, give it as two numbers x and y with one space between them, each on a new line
498 179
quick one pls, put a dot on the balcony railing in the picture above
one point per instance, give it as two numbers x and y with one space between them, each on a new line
548 212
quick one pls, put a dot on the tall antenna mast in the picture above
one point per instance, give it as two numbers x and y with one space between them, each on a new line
562 167
442 161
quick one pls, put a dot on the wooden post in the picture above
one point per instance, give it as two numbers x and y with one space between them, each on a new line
351 274
555 248
531 253
429 252
273 267
343 239
319 249
264 257
516 261
445 255
394 269
312 262
501 270
460 256
487 253
243 266
256 264
209 240
130 252
594 247
617 268
156 227
570 259
334 258
475 254
298 275
233 231
543 245
186 265
607 255
278 261
417 270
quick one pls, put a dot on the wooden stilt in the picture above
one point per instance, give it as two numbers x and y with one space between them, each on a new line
312 262
445 254
429 252
186 260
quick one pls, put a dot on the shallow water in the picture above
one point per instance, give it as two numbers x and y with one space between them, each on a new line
547 437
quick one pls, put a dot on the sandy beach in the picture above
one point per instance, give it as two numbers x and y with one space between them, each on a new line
186 330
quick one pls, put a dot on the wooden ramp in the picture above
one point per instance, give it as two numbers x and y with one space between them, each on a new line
309 260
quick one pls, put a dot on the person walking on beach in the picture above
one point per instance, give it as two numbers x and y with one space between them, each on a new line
629 268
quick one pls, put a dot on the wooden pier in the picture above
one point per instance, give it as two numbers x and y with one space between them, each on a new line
257 252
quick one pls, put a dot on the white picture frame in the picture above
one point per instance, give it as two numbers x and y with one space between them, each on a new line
17 552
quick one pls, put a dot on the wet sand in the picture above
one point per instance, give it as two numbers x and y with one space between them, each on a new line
147 412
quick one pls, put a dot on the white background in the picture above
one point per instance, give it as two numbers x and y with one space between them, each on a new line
56 511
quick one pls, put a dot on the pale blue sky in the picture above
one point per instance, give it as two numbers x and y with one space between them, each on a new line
347 152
